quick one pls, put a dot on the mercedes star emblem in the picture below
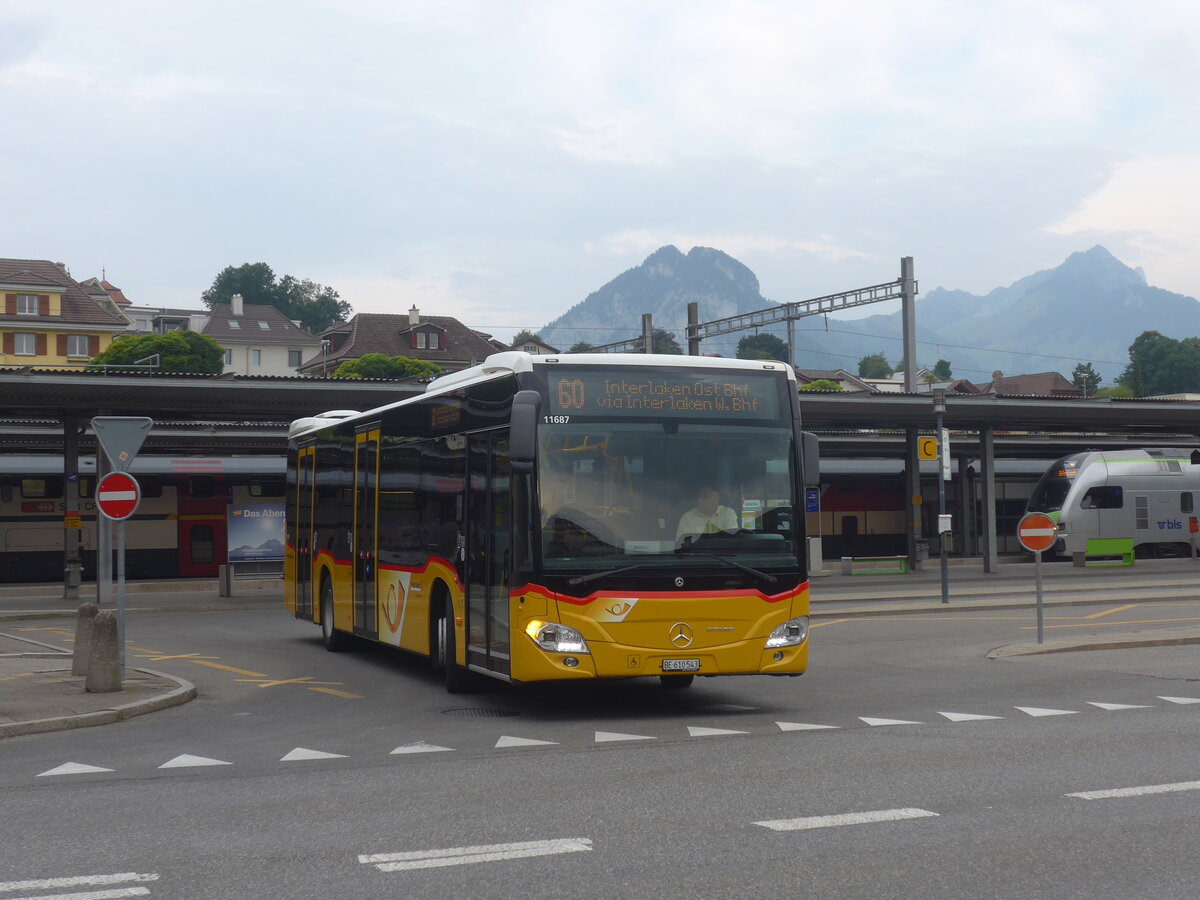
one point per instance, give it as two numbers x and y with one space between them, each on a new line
681 635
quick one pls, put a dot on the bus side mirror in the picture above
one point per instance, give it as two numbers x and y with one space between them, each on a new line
522 439
811 449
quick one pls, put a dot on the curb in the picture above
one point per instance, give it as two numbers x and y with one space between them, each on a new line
19 614
184 692
1041 649
934 605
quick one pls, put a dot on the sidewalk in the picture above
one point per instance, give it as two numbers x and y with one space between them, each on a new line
39 693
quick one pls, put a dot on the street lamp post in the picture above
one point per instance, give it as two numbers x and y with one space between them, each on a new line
939 409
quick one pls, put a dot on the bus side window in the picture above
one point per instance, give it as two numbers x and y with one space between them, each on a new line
1105 497
1185 502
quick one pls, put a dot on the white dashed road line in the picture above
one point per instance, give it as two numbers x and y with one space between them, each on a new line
863 818
1117 793
462 856
83 881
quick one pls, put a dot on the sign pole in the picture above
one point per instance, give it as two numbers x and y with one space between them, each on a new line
103 541
1037 556
121 596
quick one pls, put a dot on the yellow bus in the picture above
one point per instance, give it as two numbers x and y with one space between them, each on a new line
563 517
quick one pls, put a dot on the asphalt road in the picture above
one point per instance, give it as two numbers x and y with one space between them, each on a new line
904 764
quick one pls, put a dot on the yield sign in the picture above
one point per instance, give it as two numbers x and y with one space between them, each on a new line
117 495
1036 532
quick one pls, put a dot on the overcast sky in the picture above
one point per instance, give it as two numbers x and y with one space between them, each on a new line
498 161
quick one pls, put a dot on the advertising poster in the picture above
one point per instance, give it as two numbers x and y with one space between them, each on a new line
256 532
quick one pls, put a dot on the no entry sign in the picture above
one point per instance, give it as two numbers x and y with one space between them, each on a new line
117 495
1036 532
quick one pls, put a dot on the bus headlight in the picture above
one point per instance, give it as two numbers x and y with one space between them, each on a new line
790 633
555 637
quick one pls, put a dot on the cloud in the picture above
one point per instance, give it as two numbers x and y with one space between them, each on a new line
1149 205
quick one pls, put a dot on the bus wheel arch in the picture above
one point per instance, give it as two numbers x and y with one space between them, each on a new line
444 649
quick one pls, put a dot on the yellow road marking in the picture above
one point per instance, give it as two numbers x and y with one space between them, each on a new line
213 665
19 675
1110 611
834 622
143 649
161 657
1119 624
307 679
344 694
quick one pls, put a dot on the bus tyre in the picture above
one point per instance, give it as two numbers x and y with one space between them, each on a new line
676 682
458 679
334 641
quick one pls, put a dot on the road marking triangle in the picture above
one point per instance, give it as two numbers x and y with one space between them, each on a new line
606 736
700 731
966 717
1180 699
508 741
74 768
187 761
304 753
731 707
877 722
1112 706
802 726
419 747
1037 711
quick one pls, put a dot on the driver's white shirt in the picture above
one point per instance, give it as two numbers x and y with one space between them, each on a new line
695 522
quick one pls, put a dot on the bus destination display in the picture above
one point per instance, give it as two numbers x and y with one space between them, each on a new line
703 394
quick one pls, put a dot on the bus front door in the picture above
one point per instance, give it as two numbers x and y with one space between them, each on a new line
488 515
305 496
366 505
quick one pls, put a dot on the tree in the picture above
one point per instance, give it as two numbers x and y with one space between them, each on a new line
1161 365
581 347
762 346
941 370
1086 378
1119 391
313 305
875 365
178 351
821 384
525 335
664 341
377 365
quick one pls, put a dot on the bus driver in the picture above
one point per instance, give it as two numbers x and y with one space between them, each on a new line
708 516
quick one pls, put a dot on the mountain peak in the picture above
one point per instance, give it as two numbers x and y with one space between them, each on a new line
1098 263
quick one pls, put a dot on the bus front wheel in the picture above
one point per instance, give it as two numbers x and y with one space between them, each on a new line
334 640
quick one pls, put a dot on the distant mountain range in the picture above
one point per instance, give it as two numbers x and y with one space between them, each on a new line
1089 308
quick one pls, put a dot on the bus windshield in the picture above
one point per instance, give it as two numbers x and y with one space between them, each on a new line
619 494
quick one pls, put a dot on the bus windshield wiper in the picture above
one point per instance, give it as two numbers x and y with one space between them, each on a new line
765 576
584 579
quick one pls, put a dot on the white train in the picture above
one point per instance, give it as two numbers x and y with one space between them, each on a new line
1148 495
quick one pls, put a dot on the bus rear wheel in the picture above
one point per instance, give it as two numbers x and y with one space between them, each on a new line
676 682
335 641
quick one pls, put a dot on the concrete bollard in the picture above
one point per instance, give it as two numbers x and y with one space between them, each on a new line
83 638
104 660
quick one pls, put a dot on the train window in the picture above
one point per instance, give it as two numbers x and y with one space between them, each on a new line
202 544
1103 497
201 486
151 486
1185 502
6 489
267 487
41 488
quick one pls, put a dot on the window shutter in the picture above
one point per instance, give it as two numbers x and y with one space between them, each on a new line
8 341
43 304
62 345
39 347
93 344
10 304
412 338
